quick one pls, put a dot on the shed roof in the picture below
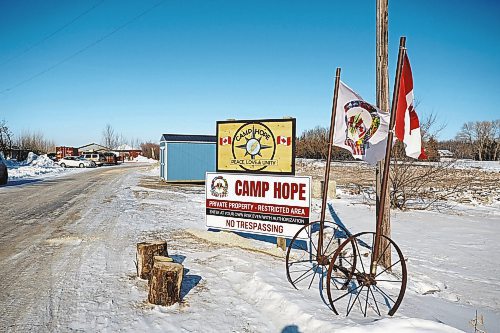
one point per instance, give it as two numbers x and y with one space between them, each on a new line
445 153
126 147
188 138
93 147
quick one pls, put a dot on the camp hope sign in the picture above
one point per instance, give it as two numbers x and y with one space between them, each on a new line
268 205
264 146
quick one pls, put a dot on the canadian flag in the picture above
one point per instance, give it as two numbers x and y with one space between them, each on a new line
284 140
407 127
225 141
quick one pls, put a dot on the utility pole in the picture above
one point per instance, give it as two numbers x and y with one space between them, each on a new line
382 60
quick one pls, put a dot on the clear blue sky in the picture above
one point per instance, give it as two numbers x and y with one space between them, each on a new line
66 71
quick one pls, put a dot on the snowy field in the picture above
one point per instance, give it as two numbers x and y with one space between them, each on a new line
239 284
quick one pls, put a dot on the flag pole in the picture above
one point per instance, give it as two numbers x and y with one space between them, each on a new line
320 258
387 161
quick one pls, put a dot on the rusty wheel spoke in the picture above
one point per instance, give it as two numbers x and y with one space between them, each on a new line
300 278
383 293
349 292
388 268
375 301
302 261
354 302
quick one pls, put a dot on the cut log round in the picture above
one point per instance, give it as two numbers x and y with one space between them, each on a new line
165 283
145 256
163 259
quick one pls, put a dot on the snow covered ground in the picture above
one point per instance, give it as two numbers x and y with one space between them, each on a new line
36 168
236 284
239 284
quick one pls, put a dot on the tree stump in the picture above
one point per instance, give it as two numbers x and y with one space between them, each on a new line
165 282
145 256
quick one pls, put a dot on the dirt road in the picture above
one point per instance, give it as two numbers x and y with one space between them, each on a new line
50 233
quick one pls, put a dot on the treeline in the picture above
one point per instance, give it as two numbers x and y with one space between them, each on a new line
479 140
27 140
313 143
113 140
36 142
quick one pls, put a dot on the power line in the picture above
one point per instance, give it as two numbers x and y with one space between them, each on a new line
41 41
85 48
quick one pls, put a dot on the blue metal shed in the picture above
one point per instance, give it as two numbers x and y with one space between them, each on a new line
185 158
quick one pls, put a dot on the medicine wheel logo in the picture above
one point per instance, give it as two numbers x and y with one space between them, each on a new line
219 187
254 146
362 122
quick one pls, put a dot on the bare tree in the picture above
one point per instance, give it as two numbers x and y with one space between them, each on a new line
483 137
109 138
422 184
313 143
6 138
135 143
150 150
412 181
35 142
496 139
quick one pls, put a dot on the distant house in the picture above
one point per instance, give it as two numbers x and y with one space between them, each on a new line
126 152
16 153
92 148
445 153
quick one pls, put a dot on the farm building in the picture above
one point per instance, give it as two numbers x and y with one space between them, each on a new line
127 153
92 148
186 158
444 153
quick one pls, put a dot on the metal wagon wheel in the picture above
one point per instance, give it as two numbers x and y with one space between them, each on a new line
302 261
379 292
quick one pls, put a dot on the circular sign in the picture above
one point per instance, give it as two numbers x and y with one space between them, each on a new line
254 146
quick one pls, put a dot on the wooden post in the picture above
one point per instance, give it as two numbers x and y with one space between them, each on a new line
165 282
145 256
281 241
382 60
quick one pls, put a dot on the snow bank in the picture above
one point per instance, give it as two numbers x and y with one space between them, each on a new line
400 325
40 161
34 166
143 159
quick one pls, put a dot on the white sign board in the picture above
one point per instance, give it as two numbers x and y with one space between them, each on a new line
258 204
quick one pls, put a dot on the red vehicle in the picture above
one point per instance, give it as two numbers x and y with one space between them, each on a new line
111 158
64 151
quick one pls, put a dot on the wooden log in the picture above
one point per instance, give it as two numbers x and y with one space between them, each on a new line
163 259
145 256
165 282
